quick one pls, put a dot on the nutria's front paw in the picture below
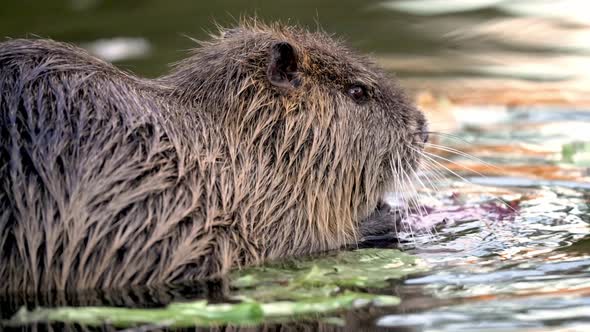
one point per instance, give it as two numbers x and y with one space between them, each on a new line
382 225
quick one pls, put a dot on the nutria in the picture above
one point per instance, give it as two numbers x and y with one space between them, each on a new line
267 141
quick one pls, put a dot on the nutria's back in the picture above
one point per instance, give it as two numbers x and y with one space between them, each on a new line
268 141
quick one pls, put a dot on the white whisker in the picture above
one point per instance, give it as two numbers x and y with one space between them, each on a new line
452 162
455 137
428 156
463 154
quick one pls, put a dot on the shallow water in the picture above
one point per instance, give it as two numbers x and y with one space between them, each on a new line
507 246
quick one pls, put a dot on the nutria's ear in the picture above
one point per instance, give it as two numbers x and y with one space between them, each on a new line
282 68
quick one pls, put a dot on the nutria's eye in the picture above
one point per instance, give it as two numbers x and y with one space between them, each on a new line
357 92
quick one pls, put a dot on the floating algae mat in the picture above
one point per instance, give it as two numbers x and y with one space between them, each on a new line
307 288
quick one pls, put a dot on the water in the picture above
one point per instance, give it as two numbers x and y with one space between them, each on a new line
511 246
499 269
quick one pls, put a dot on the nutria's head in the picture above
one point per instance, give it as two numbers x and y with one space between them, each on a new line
328 127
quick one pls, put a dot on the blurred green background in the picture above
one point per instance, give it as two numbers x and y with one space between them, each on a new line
165 24
533 40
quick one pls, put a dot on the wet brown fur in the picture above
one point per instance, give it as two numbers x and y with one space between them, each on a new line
110 180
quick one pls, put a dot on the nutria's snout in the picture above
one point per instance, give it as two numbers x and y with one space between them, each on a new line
424 132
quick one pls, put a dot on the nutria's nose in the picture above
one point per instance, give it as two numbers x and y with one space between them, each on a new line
423 130
424 136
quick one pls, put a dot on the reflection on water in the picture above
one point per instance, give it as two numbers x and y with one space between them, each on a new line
512 248
118 49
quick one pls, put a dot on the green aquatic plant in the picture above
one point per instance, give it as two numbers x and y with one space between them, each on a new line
576 153
298 279
201 313
307 288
